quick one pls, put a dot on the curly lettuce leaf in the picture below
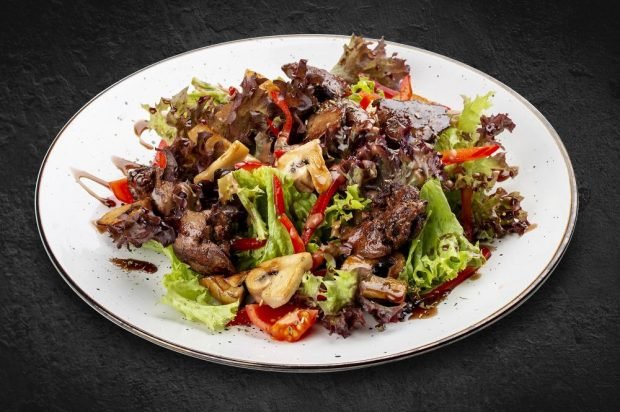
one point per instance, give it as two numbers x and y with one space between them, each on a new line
441 250
359 59
185 294
168 114
339 290
498 214
363 85
481 173
342 208
463 134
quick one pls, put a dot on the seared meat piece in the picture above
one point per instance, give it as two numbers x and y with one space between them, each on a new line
326 85
422 120
172 199
141 181
389 224
326 122
203 239
340 125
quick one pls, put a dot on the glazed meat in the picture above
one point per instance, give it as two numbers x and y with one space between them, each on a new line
422 120
341 125
396 212
203 239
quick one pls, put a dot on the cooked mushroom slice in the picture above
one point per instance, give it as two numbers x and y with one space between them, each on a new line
362 265
375 287
112 216
397 261
275 281
227 186
235 153
307 166
225 289
213 139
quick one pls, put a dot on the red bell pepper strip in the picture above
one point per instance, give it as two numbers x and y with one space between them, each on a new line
278 195
248 165
405 93
243 244
446 287
367 98
464 155
288 117
278 153
387 92
272 128
232 90
467 215
120 188
317 259
298 244
317 213
160 157
280 207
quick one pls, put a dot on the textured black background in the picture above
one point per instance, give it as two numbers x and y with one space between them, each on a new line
560 350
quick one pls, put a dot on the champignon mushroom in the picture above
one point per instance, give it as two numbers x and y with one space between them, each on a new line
307 166
112 216
235 153
227 186
225 289
275 281
375 287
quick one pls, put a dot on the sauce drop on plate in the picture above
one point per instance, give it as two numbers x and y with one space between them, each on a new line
133 265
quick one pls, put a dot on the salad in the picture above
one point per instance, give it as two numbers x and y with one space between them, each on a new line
316 198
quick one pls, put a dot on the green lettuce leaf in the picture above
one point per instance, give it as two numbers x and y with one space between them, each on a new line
339 288
261 208
185 294
363 85
255 190
342 208
440 251
469 119
464 134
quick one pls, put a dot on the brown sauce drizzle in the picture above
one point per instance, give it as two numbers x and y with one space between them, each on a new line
427 308
423 313
80 174
124 165
139 127
129 265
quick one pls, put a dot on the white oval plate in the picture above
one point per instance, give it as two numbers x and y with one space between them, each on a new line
104 127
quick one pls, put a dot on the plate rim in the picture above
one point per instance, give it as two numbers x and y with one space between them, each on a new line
306 368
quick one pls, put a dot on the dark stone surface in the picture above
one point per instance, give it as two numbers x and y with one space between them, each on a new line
559 351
